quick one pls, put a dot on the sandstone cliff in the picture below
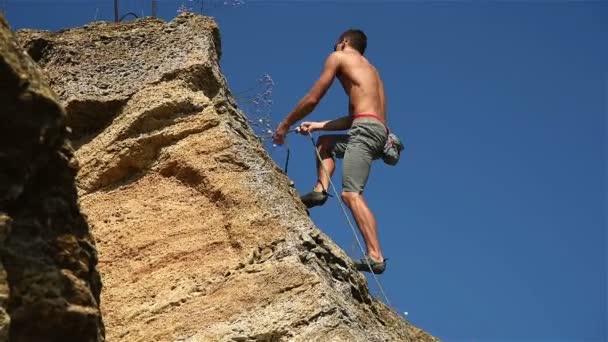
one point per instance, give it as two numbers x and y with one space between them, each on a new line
200 236
49 286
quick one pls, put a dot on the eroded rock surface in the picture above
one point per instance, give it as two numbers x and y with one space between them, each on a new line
201 237
49 285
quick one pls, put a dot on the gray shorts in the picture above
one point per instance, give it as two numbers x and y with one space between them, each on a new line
363 144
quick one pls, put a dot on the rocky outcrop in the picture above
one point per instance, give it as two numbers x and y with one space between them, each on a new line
200 235
49 285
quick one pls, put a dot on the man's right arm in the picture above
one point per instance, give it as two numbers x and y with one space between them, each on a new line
308 103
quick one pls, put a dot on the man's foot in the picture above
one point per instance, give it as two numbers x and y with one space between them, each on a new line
314 198
377 267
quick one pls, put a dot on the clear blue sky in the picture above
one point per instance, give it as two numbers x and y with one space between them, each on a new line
495 219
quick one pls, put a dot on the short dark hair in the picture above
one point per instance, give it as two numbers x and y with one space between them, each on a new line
356 38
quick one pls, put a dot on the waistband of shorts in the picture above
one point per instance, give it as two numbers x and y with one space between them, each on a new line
368 118
369 115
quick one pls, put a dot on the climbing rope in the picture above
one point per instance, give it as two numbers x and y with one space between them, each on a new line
314 145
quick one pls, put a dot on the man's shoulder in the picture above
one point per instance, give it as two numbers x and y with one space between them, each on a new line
342 58
346 57
336 56
336 59
341 54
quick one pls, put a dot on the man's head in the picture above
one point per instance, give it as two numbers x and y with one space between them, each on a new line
353 38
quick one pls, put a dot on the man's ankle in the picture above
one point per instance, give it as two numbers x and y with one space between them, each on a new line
377 257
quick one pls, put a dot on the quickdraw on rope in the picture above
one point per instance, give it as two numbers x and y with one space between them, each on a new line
287 160
331 183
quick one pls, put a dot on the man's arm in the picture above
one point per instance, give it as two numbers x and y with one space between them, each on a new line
308 103
330 125
339 124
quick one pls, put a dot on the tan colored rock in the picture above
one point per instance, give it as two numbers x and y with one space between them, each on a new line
49 285
201 237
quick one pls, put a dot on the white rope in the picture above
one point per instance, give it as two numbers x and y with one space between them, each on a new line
339 199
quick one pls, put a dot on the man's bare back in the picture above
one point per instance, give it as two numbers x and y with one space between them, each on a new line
362 84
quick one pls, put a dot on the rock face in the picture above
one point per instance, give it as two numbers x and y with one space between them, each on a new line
201 237
49 285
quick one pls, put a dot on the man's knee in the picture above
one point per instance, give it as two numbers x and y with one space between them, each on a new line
325 143
350 196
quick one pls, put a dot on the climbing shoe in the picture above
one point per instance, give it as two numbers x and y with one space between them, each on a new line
377 267
314 198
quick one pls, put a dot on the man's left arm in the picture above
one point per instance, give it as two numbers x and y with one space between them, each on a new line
308 103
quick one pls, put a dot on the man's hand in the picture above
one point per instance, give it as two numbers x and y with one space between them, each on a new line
309 127
279 135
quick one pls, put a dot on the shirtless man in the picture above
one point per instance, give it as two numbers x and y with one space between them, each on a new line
363 143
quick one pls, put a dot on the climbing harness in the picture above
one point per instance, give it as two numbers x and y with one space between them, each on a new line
393 145
331 183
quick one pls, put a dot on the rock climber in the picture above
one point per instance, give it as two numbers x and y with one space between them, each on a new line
367 134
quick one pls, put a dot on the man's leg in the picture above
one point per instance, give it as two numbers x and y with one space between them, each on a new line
327 165
328 147
366 222
361 149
